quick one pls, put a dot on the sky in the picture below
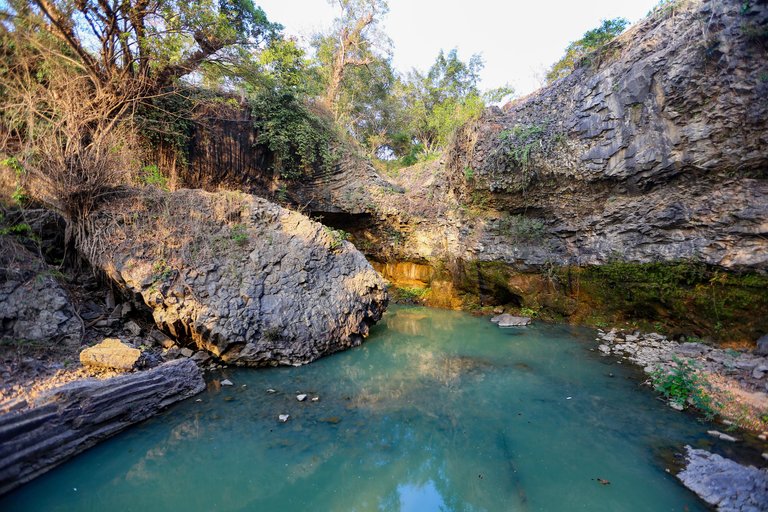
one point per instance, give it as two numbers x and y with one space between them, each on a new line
517 39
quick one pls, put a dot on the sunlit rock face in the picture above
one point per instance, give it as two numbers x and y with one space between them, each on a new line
245 279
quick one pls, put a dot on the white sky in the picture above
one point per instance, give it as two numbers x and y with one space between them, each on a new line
518 39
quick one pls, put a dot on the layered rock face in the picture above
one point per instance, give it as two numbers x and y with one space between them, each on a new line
74 417
236 275
654 151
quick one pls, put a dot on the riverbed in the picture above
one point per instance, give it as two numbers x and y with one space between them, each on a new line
437 410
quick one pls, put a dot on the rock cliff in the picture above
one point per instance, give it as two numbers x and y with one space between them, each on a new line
651 152
236 275
654 150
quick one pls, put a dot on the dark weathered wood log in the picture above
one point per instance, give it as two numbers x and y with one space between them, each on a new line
74 417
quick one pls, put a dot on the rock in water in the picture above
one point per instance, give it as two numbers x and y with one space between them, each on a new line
248 281
725 483
70 419
111 353
507 320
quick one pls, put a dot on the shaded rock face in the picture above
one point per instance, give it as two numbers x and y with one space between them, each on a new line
654 151
74 417
33 305
245 279
724 483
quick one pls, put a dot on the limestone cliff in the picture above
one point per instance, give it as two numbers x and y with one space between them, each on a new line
245 279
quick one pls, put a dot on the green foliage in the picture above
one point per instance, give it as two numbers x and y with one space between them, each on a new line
522 228
338 236
408 294
683 386
239 234
593 40
161 271
469 173
300 140
166 120
516 148
529 312
19 194
151 175
282 193
437 103
272 334
665 8
21 229
695 296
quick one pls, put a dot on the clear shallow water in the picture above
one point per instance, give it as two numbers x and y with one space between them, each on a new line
437 411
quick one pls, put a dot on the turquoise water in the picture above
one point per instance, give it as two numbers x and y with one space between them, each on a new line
437 411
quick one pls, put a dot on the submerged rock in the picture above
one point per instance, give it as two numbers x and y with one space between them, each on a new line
240 277
74 417
725 483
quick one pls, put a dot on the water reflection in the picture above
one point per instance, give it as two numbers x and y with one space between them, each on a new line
437 411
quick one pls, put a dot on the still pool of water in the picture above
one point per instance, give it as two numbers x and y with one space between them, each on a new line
437 411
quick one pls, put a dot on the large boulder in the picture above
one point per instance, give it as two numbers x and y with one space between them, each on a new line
76 416
243 278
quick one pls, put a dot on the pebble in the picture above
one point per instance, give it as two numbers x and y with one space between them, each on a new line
301 397
283 417
270 390
187 352
226 382
315 398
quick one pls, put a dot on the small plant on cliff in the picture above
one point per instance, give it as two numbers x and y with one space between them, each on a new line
273 334
521 228
337 236
239 234
577 53
683 386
